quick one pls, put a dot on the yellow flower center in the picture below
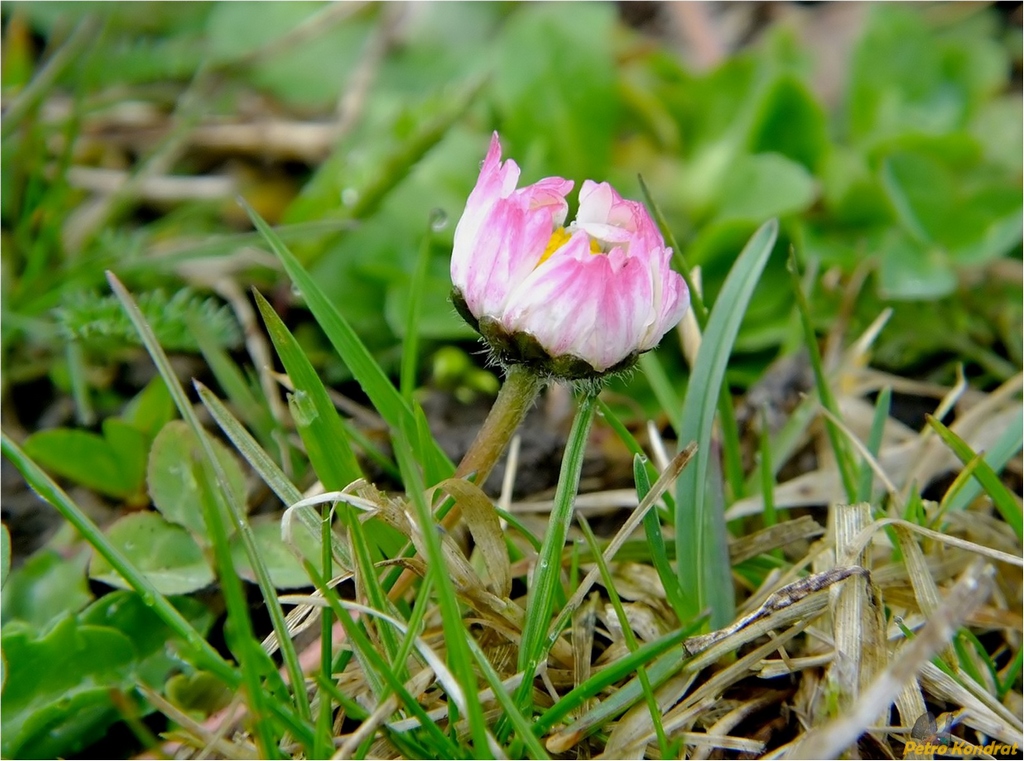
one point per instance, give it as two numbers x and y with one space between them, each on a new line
558 239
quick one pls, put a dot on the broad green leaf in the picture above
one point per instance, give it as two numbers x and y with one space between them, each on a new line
172 480
765 185
791 122
57 693
922 192
851 192
897 79
201 650
44 587
167 555
999 127
130 446
150 409
701 552
84 457
912 270
285 569
156 646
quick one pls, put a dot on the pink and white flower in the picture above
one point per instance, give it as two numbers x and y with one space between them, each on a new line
578 300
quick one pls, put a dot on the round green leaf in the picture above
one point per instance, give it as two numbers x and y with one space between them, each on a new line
57 694
44 587
285 570
172 481
765 185
167 554
84 457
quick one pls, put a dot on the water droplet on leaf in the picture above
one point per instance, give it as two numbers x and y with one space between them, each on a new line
438 220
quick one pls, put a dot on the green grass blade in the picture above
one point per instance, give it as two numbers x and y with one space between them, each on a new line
315 416
1007 445
667 657
455 631
548 571
835 436
249 448
211 471
265 466
874 443
381 668
524 728
326 441
252 409
627 633
656 540
385 397
701 555
1005 501
1012 673
368 582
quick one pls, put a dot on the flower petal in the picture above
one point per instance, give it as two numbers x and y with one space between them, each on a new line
592 306
503 232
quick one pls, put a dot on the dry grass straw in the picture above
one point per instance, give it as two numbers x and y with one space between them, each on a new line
817 655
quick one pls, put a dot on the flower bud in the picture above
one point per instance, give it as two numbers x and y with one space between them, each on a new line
576 301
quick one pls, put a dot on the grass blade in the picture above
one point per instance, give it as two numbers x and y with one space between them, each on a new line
1008 444
656 539
455 632
828 401
210 471
548 571
627 633
315 417
1005 501
268 470
874 443
385 397
666 665
701 555
524 728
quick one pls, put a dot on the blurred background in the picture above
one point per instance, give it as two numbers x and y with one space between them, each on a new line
886 137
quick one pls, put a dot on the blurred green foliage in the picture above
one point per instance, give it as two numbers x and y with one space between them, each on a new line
915 173
911 175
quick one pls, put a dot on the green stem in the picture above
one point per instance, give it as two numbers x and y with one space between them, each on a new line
541 598
514 400
517 395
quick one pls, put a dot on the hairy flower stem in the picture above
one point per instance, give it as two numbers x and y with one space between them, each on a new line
517 395
514 400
